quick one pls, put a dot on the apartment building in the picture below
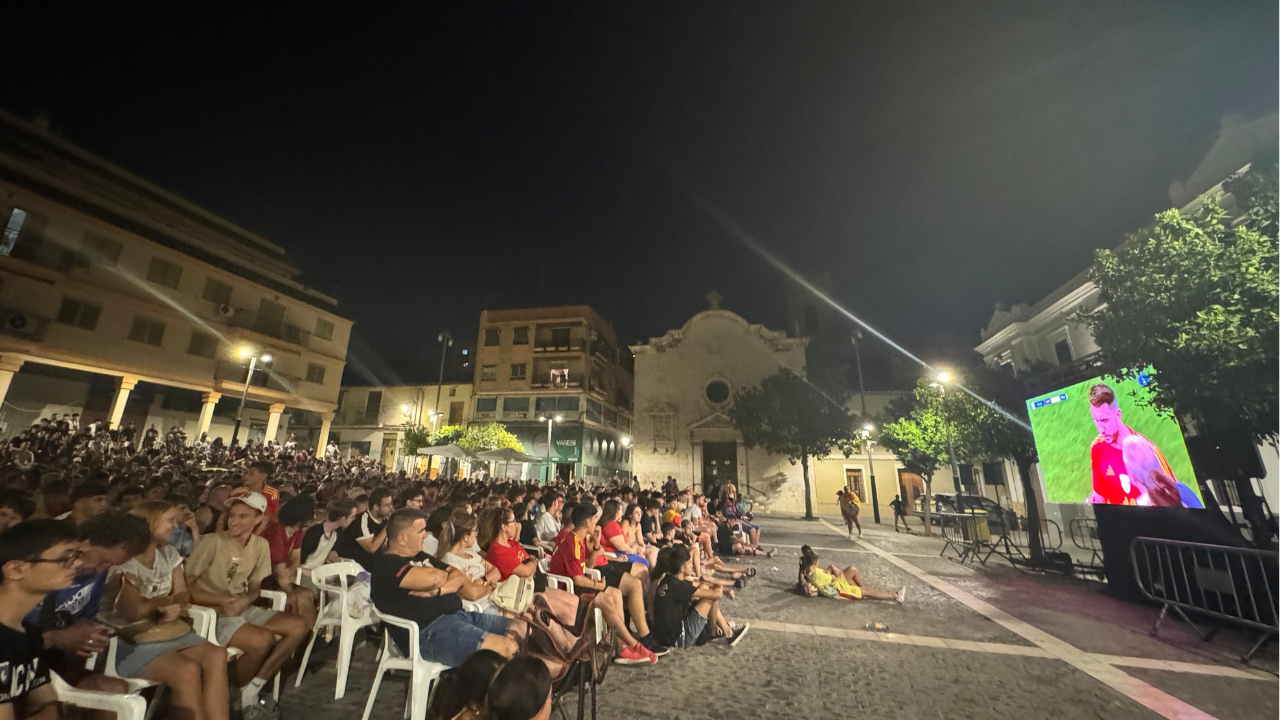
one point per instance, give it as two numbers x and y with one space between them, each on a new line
122 301
534 365
371 420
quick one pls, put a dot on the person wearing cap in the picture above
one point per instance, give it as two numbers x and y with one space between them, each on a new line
225 572
255 481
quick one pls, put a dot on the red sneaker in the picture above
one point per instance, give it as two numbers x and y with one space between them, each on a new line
636 655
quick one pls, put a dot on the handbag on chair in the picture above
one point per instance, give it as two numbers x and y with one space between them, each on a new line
515 594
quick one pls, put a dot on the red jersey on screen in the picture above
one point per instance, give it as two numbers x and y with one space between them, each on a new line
569 558
1108 466
505 557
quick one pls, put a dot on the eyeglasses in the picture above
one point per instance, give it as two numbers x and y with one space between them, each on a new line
67 561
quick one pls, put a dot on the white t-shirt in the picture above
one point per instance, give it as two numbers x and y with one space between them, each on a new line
548 527
695 513
155 581
472 566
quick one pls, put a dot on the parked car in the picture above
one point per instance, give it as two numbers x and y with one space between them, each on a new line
999 518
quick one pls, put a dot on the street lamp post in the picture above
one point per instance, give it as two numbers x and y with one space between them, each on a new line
941 383
446 341
248 378
549 421
866 429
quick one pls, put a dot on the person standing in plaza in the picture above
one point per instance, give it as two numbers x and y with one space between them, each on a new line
849 503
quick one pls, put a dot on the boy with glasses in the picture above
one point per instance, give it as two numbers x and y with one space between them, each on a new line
36 558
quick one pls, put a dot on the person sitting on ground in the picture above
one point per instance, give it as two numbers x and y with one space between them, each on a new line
225 572
685 614
407 583
151 586
520 691
460 692
615 588
38 558
88 500
613 533
284 537
833 582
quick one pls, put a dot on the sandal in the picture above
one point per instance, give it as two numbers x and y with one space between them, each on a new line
749 572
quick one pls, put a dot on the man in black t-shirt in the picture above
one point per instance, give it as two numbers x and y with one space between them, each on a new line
409 584
683 613
36 557
366 534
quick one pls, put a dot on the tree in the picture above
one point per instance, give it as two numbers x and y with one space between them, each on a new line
446 435
1195 300
414 438
489 436
786 415
919 439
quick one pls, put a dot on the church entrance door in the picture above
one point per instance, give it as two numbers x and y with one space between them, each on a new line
719 465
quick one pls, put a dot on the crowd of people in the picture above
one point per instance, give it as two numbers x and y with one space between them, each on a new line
109 534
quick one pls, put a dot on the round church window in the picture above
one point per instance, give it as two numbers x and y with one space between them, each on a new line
717 391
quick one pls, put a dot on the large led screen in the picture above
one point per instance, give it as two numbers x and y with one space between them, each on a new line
1098 443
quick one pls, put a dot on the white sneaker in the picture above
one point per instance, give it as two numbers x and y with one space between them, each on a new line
902 594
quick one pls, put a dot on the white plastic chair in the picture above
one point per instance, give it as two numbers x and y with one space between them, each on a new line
126 707
423 674
204 621
560 581
324 578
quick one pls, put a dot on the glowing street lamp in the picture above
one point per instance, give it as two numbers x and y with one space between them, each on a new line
550 421
941 380
253 357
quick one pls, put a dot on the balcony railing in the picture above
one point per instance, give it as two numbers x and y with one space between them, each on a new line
270 327
555 381
262 377
549 346
1082 368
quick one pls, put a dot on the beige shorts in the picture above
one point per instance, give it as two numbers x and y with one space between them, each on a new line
252 615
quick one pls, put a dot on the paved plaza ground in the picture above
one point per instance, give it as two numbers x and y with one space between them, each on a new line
990 642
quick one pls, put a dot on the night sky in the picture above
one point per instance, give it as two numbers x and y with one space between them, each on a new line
932 160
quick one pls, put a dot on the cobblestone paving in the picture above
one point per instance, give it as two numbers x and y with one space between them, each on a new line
775 674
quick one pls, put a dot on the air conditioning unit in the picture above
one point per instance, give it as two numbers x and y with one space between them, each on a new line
22 324
226 310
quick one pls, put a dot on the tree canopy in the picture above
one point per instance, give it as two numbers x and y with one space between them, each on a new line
489 436
785 415
1195 299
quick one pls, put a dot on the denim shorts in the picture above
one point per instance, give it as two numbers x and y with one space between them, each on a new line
691 629
451 639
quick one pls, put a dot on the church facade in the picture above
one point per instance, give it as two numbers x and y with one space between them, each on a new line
685 382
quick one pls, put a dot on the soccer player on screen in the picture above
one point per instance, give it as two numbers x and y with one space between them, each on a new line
1112 483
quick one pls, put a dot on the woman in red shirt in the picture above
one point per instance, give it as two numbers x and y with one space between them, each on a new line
509 557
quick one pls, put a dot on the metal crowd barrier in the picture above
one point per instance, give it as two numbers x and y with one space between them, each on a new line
964 534
1084 535
1225 584
1012 541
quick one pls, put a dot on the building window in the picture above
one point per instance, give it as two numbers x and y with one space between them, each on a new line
593 411
324 329
560 337
147 330
1062 349
717 392
79 314
488 373
202 345
492 337
520 336
216 291
517 371
545 404
98 250
163 272
315 373
453 392
515 404
486 404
